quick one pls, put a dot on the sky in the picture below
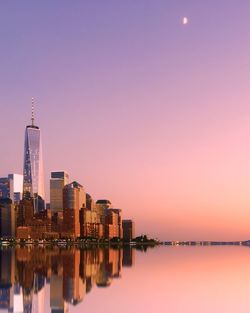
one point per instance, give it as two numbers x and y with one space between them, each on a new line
140 109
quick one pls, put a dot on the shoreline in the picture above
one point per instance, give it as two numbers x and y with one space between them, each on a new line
109 243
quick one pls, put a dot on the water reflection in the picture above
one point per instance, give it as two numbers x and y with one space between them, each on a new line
71 273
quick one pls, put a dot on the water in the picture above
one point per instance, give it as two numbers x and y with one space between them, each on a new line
162 279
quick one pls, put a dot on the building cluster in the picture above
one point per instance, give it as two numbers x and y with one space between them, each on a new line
72 213
71 274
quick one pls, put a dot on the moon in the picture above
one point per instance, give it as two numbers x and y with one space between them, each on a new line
184 20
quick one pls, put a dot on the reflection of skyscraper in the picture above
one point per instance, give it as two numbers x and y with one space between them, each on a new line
39 295
128 255
6 280
33 181
57 303
18 304
73 286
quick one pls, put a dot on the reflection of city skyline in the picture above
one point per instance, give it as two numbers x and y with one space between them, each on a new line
71 274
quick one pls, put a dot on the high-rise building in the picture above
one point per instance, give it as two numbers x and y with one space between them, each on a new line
4 188
74 198
16 187
128 227
57 182
112 223
33 180
7 218
101 208
11 187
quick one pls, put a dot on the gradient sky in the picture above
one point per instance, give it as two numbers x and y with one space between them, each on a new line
142 110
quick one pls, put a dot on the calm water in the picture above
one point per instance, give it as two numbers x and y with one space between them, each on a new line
163 279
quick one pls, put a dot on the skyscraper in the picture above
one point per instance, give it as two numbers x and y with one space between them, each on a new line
74 198
128 227
11 187
33 180
7 218
57 182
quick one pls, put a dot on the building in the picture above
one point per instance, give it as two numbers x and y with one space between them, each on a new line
90 224
101 208
12 187
7 218
128 227
119 213
4 188
90 204
74 198
33 178
25 212
112 229
57 182
16 187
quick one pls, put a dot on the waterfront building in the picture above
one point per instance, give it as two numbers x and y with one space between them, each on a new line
90 224
128 227
101 208
33 178
74 198
112 229
4 188
16 187
23 232
57 182
33 225
25 212
90 204
7 218
119 213
11 187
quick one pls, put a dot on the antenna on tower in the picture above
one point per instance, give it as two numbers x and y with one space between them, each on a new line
32 112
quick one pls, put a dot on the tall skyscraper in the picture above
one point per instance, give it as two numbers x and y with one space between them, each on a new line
57 182
33 180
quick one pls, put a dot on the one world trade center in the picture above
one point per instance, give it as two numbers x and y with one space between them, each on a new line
33 177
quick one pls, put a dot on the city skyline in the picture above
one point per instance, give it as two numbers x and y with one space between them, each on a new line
136 106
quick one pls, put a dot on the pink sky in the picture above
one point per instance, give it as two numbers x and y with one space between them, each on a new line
137 107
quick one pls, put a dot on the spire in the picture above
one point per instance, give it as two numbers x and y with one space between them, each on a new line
32 112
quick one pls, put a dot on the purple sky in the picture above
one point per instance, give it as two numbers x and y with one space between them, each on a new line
149 113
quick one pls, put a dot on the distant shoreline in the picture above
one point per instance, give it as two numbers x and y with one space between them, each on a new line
110 243
207 243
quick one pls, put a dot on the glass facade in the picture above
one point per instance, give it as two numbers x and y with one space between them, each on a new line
4 188
33 178
16 187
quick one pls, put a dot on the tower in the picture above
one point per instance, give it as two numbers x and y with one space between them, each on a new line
74 198
57 182
33 180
